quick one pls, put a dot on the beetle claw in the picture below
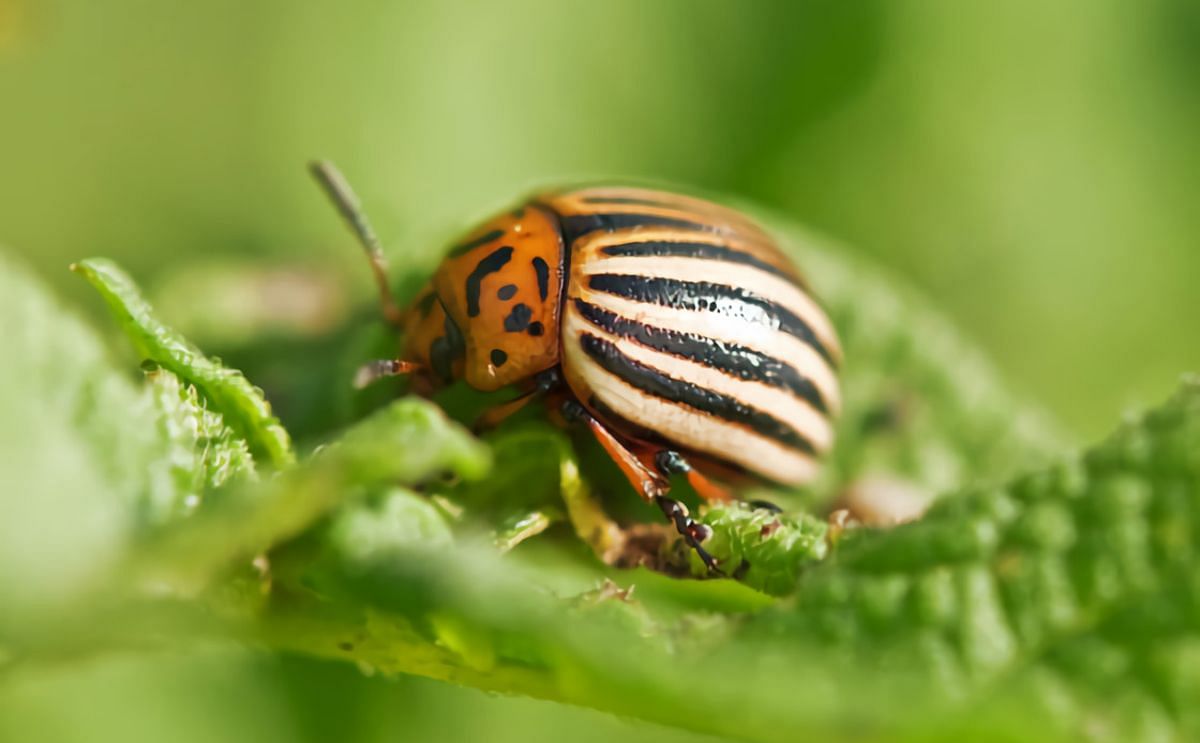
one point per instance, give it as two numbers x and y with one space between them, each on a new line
693 533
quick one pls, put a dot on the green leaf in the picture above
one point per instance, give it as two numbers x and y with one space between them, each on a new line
950 623
761 548
1043 573
406 443
203 453
523 525
920 403
227 390
527 475
76 446
397 521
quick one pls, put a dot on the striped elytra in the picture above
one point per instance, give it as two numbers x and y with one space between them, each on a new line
675 326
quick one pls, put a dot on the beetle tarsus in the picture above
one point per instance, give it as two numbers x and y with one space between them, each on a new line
652 485
693 533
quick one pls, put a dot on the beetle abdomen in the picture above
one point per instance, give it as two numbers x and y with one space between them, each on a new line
684 321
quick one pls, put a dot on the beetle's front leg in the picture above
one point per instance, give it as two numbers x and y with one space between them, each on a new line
653 486
543 383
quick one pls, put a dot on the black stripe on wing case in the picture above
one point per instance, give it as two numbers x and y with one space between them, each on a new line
542 269
653 382
667 249
730 358
576 225
704 296
627 201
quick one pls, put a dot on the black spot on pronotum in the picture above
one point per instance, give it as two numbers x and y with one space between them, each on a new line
470 245
491 264
518 212
498 357
536 329
518 319
507 292
543 277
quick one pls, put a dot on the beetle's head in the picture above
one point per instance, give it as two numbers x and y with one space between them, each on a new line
490 315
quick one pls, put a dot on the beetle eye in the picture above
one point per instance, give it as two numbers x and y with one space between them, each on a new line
445 349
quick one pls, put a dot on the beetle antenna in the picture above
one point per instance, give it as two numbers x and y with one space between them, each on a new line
335 186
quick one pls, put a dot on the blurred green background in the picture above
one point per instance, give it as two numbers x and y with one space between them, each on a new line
1034 167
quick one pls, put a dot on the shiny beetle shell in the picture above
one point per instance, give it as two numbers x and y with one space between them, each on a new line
672 320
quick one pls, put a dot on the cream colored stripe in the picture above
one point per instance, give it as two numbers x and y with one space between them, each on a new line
774 401
708 211
593 242
689 428
766 285
775 343
589 245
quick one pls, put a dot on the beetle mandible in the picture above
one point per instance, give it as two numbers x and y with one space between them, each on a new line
673 328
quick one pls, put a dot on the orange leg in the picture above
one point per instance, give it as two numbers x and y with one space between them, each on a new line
496 415
651 485
544 383
707 489
646 481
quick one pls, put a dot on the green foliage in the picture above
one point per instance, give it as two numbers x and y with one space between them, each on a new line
761 548
1017 607
1031 165
79 446
242 406
406 443
920 402
203 453
1074 573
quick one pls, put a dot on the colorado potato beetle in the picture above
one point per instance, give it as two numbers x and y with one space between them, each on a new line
673 328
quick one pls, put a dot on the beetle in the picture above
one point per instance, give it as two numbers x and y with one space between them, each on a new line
673 328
